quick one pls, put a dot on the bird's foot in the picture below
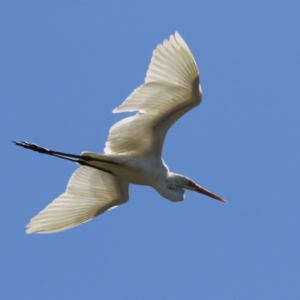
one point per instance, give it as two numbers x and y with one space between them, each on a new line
33 147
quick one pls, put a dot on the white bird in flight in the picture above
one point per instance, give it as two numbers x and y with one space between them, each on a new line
133 152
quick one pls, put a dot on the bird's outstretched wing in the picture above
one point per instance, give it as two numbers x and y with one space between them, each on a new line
170 90
89 193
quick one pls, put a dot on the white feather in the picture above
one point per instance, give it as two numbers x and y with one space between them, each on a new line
89 193
134 147
170 90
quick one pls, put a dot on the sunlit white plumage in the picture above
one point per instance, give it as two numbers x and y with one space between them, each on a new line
171 89
132 154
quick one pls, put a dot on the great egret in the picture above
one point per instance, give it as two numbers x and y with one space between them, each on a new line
134 147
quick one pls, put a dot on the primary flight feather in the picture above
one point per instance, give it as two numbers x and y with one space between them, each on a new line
133 151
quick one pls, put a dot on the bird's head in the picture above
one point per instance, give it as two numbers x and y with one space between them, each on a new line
176 184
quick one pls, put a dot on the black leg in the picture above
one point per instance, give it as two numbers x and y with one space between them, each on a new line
43 150
82 160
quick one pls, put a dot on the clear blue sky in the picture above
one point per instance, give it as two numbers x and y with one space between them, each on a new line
66 64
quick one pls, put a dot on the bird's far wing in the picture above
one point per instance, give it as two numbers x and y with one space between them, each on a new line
170 90
89 193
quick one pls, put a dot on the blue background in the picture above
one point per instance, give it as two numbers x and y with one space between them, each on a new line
66 64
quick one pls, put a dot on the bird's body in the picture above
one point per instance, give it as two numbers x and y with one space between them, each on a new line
133 152
136 170
148 170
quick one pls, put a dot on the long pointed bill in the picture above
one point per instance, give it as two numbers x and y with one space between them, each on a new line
203 191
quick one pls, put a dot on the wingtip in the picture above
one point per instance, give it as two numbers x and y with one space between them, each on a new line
29 228
32 229
176 34
28 231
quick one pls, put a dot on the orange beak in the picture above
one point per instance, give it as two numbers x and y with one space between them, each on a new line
203 191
